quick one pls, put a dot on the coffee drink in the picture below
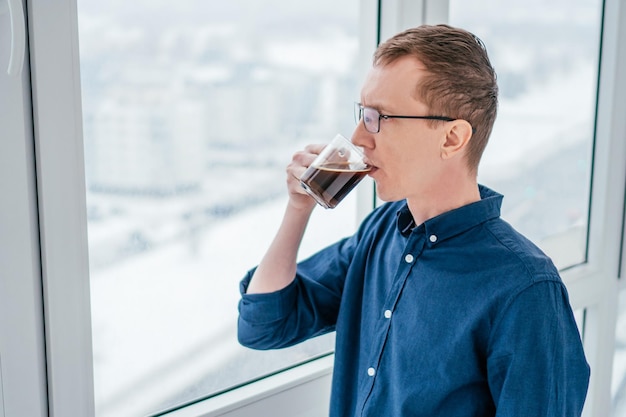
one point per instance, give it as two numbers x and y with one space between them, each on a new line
329 183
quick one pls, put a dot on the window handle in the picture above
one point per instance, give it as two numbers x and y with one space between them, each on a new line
18 37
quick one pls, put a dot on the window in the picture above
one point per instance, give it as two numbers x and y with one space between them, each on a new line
191 112
546 55
46 369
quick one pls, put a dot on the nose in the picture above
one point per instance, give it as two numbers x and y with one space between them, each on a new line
361 137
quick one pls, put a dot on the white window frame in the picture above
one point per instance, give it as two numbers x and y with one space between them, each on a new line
22 353
51 250
595 285
57 121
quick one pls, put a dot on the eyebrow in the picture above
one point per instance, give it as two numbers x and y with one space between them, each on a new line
376 107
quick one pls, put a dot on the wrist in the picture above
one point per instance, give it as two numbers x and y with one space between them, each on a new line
301 204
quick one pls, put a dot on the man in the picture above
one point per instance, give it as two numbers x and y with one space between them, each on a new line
440 307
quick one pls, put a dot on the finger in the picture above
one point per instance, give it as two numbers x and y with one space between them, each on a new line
295 171
315 148
305 157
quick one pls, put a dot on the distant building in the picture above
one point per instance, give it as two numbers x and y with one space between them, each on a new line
147 141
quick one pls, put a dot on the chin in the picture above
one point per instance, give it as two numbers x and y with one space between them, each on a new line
384 195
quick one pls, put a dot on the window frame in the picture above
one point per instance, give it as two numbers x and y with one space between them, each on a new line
57 121
22 352
60 186
594 285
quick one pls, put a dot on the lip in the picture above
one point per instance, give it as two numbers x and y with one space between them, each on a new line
372 168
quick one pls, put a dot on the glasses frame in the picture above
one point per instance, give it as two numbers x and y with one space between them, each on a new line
359 111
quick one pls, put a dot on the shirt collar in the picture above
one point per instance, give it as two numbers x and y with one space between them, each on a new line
453 222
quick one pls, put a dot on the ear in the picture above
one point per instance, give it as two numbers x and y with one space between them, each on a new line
458 134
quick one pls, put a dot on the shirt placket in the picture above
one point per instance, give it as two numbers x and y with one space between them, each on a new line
409 257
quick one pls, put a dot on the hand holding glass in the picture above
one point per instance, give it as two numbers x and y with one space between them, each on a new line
335 172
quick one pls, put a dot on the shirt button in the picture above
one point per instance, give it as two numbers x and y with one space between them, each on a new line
371 371
387 314
433 238
409 258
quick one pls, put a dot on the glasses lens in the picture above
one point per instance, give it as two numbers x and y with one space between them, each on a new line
371 118
358 113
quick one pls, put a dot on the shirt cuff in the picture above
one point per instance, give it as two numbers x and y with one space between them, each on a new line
266 307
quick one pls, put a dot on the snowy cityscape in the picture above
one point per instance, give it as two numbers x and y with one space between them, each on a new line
191 112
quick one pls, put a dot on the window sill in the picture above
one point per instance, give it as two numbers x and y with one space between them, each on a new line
303 391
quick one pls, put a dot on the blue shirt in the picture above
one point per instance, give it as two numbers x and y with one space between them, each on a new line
459 316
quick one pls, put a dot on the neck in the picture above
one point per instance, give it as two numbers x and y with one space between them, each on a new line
449 193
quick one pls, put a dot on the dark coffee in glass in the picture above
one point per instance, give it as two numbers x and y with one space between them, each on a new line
334 173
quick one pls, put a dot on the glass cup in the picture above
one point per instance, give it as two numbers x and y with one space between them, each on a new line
335 172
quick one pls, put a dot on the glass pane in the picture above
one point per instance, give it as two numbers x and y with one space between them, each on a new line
618 390
546 55
192 110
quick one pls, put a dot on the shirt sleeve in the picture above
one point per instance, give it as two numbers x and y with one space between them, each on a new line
306 308
536 364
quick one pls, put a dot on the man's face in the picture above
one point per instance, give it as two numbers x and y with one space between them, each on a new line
405 153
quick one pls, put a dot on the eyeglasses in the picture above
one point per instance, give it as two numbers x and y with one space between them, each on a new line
371 117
